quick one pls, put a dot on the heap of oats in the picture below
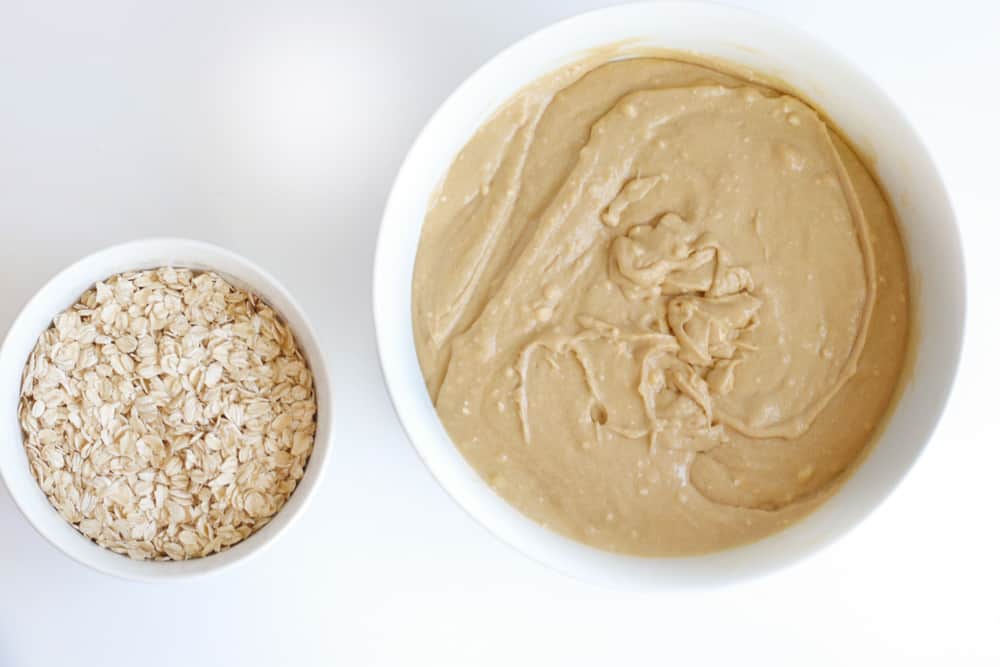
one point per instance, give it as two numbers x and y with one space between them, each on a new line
168 414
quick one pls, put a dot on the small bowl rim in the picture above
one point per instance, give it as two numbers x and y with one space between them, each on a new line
729 565
251 276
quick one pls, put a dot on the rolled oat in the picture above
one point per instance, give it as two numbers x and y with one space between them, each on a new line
167 414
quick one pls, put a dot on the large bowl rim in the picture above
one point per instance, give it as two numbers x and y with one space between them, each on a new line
728 565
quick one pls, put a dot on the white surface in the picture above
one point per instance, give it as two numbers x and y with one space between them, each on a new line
858 108
63 291
224 121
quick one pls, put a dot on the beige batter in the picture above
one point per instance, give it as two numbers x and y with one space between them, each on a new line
660 309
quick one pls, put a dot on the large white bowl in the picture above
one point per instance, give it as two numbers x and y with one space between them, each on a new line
61 292
858 107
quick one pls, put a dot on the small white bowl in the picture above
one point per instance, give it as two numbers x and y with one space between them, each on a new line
863 113
61 292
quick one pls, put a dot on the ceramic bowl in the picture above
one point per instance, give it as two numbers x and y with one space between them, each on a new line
864 114
62 291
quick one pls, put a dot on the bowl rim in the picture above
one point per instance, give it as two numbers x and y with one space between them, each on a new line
729 559
87 552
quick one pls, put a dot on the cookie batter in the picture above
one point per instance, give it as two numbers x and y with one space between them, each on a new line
660 308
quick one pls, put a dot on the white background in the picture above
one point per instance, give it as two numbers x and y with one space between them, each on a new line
275 129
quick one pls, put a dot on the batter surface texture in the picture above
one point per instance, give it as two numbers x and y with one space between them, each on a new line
661 309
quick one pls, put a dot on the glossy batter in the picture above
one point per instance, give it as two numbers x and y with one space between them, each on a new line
659 308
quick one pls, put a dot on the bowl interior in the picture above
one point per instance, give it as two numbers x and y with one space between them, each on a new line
863 113
61 292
